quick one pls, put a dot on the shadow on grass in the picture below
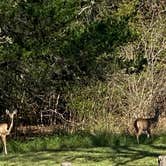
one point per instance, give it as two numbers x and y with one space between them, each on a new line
118 155
131 154
117 150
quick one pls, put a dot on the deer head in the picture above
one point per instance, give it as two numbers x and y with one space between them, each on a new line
11 115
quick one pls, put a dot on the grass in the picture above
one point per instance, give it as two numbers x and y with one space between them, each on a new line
84 150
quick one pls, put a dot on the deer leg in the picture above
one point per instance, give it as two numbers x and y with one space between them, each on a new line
137 135
148 133
137 138
3 137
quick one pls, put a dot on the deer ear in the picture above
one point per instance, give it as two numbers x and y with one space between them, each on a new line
7 111
15 111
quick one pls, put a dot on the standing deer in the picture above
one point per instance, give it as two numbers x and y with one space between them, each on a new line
4 130
142 125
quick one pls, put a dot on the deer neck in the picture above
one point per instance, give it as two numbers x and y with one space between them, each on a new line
155 118
10 127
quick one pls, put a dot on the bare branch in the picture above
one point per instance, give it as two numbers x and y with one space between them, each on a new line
83 9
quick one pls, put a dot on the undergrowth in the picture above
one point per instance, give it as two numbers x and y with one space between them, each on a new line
77 140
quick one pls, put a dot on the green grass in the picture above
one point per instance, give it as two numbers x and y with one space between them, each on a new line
84 150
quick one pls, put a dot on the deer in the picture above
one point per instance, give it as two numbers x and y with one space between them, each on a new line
144 125
5 129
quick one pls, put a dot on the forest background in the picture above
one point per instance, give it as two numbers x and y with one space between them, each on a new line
91 65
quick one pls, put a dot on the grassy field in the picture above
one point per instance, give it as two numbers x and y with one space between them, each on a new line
84 150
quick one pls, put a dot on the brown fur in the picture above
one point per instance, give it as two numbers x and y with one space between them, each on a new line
142 125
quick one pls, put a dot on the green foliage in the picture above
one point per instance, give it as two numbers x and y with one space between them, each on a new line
51 30
88 102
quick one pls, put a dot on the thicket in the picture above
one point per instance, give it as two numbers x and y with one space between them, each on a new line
106 60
